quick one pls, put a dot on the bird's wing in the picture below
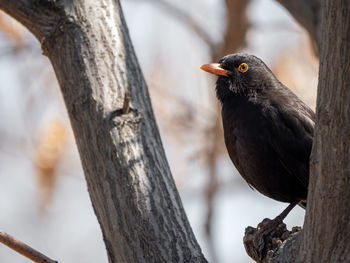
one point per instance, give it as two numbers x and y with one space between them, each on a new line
296 121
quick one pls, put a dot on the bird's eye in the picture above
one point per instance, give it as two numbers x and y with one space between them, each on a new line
243 67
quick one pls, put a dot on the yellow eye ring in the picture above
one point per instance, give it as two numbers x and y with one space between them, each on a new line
243 67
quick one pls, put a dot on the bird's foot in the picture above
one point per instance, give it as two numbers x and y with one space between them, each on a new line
268 226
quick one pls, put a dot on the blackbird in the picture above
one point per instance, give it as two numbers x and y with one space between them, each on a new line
268 130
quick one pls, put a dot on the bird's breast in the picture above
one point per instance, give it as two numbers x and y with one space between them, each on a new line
249 131
243 123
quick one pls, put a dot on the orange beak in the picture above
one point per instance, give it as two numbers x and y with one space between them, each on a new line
216 69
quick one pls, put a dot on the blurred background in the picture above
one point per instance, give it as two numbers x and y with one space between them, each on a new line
43 194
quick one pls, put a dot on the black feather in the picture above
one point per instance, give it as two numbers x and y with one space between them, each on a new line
268 129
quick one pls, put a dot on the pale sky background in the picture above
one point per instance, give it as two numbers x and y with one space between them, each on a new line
29 98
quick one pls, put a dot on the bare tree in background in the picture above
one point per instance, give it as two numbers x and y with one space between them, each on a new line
129 181
234 39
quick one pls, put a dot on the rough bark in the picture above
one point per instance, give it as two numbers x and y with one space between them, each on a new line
261 241
327 224
128 177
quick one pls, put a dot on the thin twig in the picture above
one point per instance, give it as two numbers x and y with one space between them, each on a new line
126 105
183 17
24 249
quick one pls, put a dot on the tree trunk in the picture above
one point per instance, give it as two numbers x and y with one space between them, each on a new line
327 224
128 177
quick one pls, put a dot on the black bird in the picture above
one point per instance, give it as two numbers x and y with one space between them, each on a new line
268 130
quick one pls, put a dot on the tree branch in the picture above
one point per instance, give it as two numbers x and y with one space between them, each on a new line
267 245
183 17
24 249
36 15
306 12
129 181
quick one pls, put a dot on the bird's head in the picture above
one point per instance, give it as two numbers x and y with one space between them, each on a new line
240 75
